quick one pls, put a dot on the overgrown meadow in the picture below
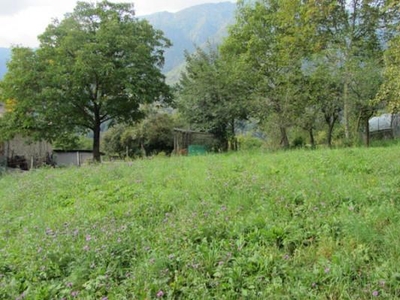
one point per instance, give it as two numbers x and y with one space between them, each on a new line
319 224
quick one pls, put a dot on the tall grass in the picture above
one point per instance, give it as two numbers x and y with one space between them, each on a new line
290 225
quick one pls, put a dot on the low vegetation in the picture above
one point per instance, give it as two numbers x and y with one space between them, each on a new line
298 224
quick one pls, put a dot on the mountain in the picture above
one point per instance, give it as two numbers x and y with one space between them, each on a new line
191 27
5 54
186 29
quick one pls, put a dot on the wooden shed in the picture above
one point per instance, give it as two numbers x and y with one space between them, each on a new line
185 138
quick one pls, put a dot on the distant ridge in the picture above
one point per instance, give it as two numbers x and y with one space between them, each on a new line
191 27
5 54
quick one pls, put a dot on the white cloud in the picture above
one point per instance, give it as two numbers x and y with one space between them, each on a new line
12 7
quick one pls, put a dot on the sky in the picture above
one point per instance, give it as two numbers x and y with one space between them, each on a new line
21 21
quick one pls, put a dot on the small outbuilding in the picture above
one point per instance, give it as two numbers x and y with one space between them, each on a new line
72 157
385 126
189 142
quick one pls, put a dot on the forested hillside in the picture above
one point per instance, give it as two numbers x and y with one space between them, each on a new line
4 56
195 26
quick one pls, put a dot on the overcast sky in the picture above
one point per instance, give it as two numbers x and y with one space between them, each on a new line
21 21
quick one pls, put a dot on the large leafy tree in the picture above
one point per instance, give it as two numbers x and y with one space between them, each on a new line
99 63
353 33
273 38
390 90
211 95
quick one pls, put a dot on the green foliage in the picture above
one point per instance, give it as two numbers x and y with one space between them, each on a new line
209 96
248 142
287 225
151 136
99 63
73 142
272 45
390 91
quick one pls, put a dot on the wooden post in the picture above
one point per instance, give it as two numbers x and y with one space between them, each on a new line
78 159
31 162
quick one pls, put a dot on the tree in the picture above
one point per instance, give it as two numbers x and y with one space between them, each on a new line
152 135
390 90
273 39
100 63
352 34
211 97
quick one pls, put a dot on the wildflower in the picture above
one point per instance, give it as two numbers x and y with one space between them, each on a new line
375 293
69 284
104 298
22 296
86 248
160 294
327 270
88 238
74 293
286 257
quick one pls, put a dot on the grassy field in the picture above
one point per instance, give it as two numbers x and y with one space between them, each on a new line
290 225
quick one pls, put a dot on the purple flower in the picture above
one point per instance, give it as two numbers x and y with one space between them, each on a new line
88 238
375 293
160 294
22 296
69 284
86 248
327 270
74 293
104 298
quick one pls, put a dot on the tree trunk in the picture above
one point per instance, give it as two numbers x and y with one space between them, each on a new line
96 139
329 134
233 137
312 140
284 138
367 141
346 108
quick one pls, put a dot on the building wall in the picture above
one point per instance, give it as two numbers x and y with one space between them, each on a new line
23 147
72 158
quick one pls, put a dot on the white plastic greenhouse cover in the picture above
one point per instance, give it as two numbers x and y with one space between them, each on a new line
382 122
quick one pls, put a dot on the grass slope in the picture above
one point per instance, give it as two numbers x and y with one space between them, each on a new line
290 225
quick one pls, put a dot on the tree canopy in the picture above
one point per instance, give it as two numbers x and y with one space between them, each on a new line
301 64
99 63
